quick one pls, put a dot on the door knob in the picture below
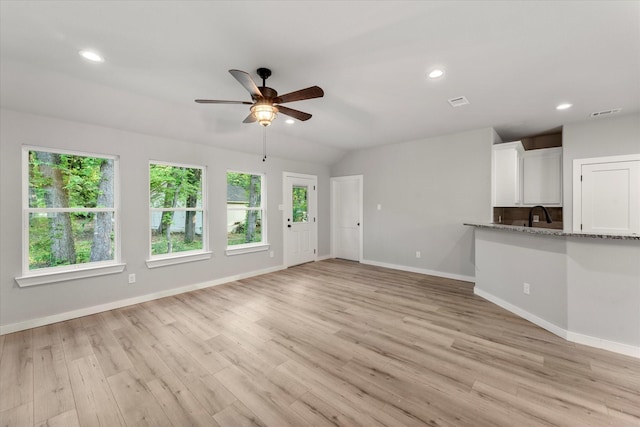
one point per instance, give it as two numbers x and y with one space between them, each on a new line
289 225
358 224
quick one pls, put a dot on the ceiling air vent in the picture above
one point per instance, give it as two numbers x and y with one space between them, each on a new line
458 101
606 112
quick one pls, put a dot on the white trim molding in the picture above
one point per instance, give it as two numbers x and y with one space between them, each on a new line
420 270
178 259
60 317
64 275
247 249
575 337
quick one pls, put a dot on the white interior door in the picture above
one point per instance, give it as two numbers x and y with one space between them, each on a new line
346 217
611 198
300 222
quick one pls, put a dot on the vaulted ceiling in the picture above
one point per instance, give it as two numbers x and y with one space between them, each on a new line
514 61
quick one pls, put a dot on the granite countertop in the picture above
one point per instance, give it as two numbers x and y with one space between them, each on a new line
549 231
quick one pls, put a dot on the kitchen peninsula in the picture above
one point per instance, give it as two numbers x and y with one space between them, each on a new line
583 288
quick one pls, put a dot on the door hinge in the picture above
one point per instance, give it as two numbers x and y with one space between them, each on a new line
580 178
314 188
580 226
314 219
314 251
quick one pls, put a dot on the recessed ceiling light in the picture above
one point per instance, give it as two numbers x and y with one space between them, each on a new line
91 56
436 73
289 121
564 106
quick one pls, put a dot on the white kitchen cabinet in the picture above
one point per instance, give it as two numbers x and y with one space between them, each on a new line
542 177
606 195
507 174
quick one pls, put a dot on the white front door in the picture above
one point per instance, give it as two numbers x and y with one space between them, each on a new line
346 217
300 222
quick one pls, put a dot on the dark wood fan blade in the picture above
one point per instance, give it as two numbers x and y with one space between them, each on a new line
217 101
300 115
249 119
245 80
299 95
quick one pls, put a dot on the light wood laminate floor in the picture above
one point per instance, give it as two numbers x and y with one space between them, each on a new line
327 343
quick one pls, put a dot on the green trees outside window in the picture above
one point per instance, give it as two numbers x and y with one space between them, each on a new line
71 211
300 203
176 205
245 213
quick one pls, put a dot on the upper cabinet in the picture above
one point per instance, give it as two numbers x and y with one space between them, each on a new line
522 178
542 177
507 174
606 195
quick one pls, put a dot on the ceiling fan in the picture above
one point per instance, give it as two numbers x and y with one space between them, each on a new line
266 102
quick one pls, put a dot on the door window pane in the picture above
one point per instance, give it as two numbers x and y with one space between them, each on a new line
300 203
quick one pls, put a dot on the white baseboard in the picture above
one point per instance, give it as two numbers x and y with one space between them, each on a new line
420 270
613 346
323 257
554 329
60 317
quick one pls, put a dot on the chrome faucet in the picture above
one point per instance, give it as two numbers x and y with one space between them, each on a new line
546 214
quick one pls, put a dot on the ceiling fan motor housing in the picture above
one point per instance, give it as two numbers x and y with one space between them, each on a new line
268 93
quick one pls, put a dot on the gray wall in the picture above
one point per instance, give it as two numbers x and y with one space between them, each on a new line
427 189
135 151
506 260
610 136
603 289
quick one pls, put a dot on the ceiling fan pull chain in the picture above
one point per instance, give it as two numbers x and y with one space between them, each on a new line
264 144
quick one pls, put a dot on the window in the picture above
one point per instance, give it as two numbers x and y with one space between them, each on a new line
246 218
177 214
70 214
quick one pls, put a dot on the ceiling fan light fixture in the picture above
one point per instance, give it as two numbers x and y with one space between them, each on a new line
264 113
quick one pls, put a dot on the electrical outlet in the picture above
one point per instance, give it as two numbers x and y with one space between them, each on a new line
536 218
418 255
379 207
132 278
271 254
526 288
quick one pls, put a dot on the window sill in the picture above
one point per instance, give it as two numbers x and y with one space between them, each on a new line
260 247
178 259
63 276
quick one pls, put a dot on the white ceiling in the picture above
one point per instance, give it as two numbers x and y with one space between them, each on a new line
514 61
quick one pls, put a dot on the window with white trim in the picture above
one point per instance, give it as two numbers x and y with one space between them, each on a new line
177 204
246 213
70 213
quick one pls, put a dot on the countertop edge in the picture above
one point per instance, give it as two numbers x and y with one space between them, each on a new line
549 231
